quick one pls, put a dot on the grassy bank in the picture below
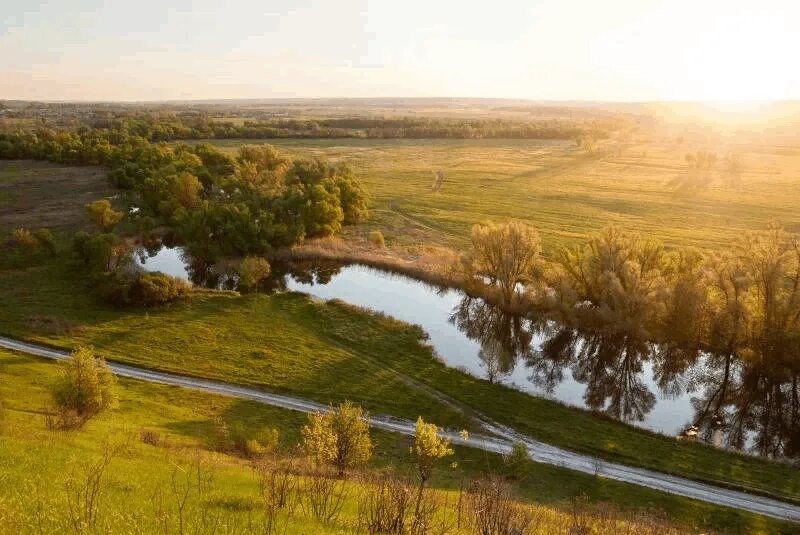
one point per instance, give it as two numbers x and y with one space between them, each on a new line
331 351
36 464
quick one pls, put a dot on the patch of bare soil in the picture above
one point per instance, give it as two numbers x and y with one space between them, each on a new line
41 194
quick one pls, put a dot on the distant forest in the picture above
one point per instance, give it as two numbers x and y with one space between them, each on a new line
158 126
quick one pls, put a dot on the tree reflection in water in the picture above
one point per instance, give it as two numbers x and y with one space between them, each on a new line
758 407
503 338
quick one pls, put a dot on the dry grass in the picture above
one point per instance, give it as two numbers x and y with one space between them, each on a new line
41 194
556 188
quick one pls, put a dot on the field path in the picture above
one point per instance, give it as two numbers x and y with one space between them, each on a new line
498 439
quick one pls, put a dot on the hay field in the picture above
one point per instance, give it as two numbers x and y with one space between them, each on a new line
565 193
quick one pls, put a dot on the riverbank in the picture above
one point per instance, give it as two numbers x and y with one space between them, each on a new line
328 352
437 266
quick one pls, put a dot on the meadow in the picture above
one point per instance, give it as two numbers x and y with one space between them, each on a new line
329 352
161 435
564 192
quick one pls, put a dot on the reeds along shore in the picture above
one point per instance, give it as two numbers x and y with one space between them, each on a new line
436 266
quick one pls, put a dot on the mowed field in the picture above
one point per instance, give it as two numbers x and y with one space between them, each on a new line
555 187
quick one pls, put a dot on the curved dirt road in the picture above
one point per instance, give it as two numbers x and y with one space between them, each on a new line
498 439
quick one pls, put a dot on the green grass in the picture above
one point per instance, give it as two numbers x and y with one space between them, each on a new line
36 462
330 352
549 184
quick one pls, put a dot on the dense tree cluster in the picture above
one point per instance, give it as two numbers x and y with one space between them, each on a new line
217 204
173 127
622 300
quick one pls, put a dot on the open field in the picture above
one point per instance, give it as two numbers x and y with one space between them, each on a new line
564 193
329 352
185 422
40 194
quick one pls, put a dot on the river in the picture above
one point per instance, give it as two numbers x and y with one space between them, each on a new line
634 381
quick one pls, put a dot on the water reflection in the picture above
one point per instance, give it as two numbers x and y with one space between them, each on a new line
503 338
735 402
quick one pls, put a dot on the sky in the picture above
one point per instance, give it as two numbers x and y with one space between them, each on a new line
620 50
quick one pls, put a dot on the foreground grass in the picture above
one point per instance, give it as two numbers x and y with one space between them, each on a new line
330 352
563 193
36 465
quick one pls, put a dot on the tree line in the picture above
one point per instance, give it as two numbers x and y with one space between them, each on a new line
173 127
745 299
622 295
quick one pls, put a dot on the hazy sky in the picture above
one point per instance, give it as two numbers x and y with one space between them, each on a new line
537 49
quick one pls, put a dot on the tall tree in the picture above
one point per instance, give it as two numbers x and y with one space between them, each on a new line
506 254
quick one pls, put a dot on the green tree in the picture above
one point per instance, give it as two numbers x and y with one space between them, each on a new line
103 215
340 437
619 274
319 439
507 254
263 167
352 198
428 448
86 385
184 190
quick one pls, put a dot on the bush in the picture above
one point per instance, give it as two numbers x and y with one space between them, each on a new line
340 437
385 506
23 240
86 388
493 510
254 445
376 237
153 289
137 288
45 241
518 463
153 438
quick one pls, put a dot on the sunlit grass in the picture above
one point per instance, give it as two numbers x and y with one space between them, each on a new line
36 462
565 194
329 352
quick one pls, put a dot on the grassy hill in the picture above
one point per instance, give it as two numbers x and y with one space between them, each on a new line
161 439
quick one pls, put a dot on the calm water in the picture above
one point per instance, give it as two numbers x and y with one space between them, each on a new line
467 334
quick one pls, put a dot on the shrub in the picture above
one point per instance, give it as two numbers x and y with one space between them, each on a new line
153 289
23 240
385 505
86 387
493 510
376 237
45 241
140 288
252 444
103 215
324 496
518 463
340 437
153 438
